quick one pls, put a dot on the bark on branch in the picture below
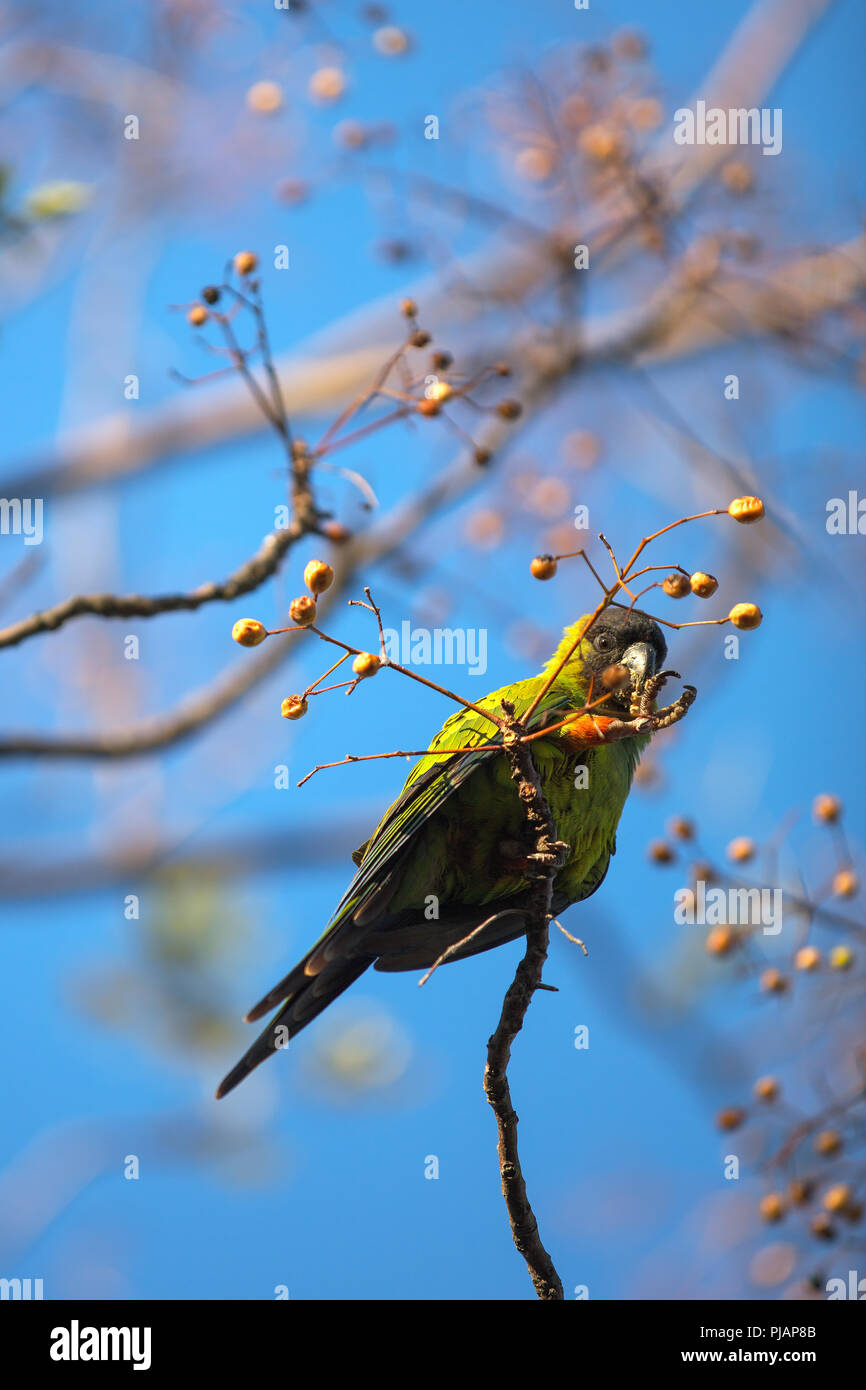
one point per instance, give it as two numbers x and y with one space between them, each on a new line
547 858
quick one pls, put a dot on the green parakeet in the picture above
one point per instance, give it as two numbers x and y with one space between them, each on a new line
454 843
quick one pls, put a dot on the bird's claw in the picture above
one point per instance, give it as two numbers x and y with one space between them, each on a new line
648 721
553 856
645 718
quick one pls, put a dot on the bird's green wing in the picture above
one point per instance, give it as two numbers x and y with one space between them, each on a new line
432 780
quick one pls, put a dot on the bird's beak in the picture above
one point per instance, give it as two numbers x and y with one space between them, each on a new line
640 658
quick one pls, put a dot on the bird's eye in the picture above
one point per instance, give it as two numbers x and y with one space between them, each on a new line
603 642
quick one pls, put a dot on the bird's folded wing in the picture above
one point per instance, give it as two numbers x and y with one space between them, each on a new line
429 785
433 780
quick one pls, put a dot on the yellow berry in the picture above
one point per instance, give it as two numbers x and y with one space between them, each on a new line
409 308
827 808
741 850
828 1143
660 853
676 586
681 828
767 1088
746 509
302 610
265 98
773 981
245 262
535 163
704 585
390 41
327 84
837 1198
318 576
720 940
197 315
821 1226
841 958
772 1206
730 1118
746 616
600 142
543 567
612 677
807 958
294 707
845 883
249 632
366 664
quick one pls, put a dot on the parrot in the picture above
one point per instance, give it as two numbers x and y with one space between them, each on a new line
456 836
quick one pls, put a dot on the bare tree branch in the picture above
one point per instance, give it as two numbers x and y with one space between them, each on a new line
250 576
548 856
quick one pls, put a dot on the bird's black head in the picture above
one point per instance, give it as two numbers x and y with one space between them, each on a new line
629 638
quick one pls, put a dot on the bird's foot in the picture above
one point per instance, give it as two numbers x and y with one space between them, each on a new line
647 720
551 856
518 859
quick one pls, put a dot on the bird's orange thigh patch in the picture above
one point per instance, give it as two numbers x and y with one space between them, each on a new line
585 730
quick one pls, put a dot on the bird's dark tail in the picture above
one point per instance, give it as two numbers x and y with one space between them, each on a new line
306 996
